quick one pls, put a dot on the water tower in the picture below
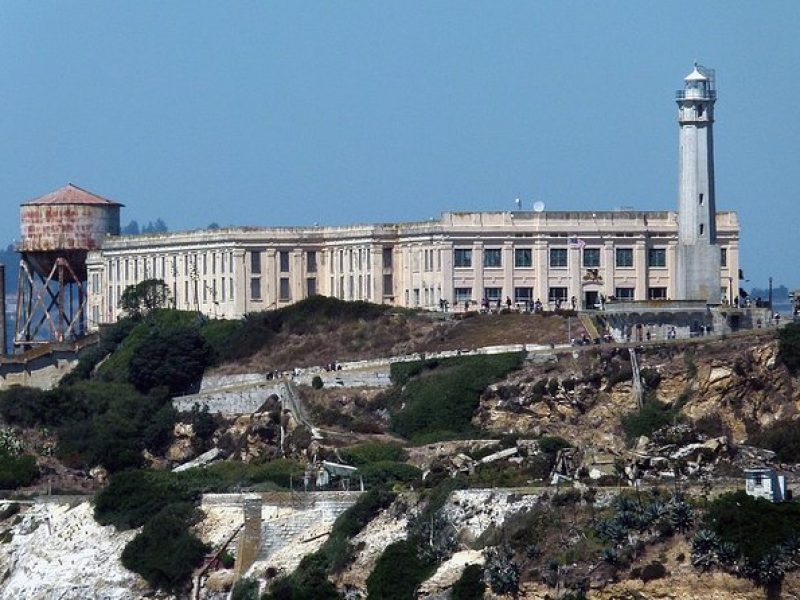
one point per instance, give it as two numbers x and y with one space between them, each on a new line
58 230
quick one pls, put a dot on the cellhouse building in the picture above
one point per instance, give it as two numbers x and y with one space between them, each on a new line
461 258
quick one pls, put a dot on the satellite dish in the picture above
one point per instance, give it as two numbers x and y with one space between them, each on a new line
538 206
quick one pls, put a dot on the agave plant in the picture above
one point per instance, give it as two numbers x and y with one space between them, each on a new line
611 531
727 554
611 556
704 549
681 515
771 568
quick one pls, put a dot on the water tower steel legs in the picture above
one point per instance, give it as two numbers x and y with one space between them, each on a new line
49 301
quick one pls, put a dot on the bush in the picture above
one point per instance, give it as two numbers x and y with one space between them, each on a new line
17 471
653 570
470 585
652 416
387 473
173 356
316 382
245 589
398 572
754 525
789 347
551 444
165 553
372 452
444 400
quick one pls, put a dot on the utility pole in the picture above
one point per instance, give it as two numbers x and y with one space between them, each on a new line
770 293
3 347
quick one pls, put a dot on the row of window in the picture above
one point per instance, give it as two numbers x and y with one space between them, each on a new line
283 262
555 294
523 257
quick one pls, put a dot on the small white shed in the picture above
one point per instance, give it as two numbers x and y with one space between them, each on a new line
765 483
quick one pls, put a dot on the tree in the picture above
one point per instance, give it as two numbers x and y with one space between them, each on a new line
139 299
174 357
213 225
132 228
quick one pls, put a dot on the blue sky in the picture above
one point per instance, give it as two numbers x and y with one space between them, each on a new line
282 113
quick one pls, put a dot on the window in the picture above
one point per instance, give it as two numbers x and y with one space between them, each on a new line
701 199
95 283
388 285
657 293
462 294
657 257
591 257
462 258
284 293
205 264
387 259
311 263
557 294
492 258
213 263
558 257
493 294
723 257
523 257
283 257
255 288
624 293
186 292
523 294
702 228
255 262
416 296
311 287
624 257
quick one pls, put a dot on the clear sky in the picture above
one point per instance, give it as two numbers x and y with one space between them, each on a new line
290 113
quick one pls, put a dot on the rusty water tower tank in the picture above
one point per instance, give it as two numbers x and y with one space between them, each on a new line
66 223
57 232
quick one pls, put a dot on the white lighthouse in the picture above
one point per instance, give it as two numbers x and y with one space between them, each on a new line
698 272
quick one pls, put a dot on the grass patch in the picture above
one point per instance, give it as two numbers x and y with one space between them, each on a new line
441 396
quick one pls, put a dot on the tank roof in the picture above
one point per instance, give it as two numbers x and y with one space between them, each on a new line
71 194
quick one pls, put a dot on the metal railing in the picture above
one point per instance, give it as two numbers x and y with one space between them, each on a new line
696 95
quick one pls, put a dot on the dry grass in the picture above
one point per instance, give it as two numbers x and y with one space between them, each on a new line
391 335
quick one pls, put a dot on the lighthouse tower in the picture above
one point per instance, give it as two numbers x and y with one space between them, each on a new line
698 272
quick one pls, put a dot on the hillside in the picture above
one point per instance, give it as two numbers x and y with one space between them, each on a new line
459 452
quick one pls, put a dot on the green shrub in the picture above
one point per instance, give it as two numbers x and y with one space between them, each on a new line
783 438
386 473
227 559
470 585
398 572
17 471
652 416
317 383
173 356
551 444
445 399
245 589
372 452
754 525
789 347
165 553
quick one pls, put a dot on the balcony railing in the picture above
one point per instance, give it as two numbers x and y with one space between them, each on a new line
696 95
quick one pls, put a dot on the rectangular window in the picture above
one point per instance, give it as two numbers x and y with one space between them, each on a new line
657 293
624 293
388 285
492 258
222 287
416 296
186 292
205 292
624 257
462 258
311 262
205 264
493 294
557 294
283 257
591 257
213 263
95 314
230 289
723 257
95 283
222 263
387 258
558 258
255 288
284 293
657 257
311 287
126 270
523 258
523 294
255 263
462 294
